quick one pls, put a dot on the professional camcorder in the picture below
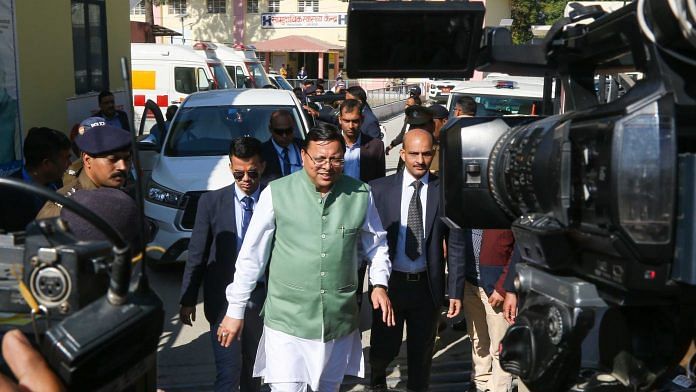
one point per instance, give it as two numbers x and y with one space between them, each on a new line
601 197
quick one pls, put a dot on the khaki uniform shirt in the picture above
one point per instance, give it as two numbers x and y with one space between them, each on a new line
73 171
52 209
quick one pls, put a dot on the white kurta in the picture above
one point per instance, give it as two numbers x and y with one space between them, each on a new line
285 358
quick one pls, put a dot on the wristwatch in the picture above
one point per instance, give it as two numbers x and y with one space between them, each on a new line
381 286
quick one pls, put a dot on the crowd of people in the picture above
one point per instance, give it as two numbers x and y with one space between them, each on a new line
282 254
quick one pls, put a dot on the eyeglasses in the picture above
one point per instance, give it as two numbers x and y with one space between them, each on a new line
335 162
284 130
238 174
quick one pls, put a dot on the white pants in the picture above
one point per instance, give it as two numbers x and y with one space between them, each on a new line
324 386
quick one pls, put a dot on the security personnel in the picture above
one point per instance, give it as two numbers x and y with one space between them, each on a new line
420 117
75 167
105 154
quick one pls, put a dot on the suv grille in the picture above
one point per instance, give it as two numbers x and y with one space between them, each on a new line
190 203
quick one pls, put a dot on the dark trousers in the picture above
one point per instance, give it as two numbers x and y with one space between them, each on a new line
235 364
413 305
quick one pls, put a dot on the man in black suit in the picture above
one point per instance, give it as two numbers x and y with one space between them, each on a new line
364 157
282 151
415 234
221 222
46 157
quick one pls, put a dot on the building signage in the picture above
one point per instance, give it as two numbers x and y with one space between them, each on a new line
315 19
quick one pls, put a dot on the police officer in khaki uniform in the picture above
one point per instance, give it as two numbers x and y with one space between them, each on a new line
440 117
75 167
105 154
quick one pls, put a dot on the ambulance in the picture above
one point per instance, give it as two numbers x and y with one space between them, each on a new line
501 95
167 74
241 63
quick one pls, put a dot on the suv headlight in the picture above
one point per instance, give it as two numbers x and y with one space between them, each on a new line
159 194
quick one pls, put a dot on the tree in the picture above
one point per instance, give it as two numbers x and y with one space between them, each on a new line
526 13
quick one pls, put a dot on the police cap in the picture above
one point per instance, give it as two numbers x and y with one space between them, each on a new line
103 139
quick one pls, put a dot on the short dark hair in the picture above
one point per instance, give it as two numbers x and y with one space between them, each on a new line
105 93
467 104
349 106
324 132
43 143
245 147
171 111
359 93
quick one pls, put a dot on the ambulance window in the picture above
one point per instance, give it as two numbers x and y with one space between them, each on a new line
185 80
230 71
203 81
240 77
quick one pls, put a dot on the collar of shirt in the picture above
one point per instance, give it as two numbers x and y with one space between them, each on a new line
292 152
408 179
356 144
239 194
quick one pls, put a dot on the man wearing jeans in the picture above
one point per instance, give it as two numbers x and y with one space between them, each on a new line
488 253
222 219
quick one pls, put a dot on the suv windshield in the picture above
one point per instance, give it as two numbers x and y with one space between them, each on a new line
221 77
258 74
499 105
209 130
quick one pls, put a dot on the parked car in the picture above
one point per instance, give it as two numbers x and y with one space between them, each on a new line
279 81
193 158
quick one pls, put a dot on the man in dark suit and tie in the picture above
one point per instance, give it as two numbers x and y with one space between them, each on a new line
282 151
221 222
415 234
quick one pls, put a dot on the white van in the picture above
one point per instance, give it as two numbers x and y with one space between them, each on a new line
167 74
501 94
241 63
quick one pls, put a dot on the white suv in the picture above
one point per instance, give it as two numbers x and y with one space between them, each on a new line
192 158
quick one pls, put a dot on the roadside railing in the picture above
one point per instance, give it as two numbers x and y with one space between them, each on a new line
393 91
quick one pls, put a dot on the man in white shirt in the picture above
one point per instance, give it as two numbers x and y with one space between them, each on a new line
308 226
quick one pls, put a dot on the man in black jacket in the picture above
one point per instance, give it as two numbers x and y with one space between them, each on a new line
107 111
221 222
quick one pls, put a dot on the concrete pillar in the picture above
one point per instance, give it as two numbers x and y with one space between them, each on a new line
320 71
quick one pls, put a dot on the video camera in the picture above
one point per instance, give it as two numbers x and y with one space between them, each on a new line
601 198
91 340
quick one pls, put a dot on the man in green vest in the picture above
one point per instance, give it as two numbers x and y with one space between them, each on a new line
308 226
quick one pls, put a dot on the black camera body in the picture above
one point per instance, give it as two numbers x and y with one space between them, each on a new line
601 197
62 274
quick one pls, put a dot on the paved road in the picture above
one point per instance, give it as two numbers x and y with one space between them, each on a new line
185 359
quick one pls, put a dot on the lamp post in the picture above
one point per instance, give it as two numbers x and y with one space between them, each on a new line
183 33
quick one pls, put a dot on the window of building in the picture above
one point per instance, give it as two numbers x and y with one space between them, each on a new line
177 7
273 5
89 46
216 6
138 9
308 6
252 6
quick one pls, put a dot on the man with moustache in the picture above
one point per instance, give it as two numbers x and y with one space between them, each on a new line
409 208
106 156
307 227
222 219
282 151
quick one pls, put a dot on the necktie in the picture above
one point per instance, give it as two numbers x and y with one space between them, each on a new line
286 161
414 224
476 239
248 210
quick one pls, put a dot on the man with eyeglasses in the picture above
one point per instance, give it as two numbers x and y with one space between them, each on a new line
222 220
106 157
307 228
282 151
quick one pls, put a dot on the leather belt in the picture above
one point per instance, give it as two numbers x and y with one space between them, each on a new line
411 276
